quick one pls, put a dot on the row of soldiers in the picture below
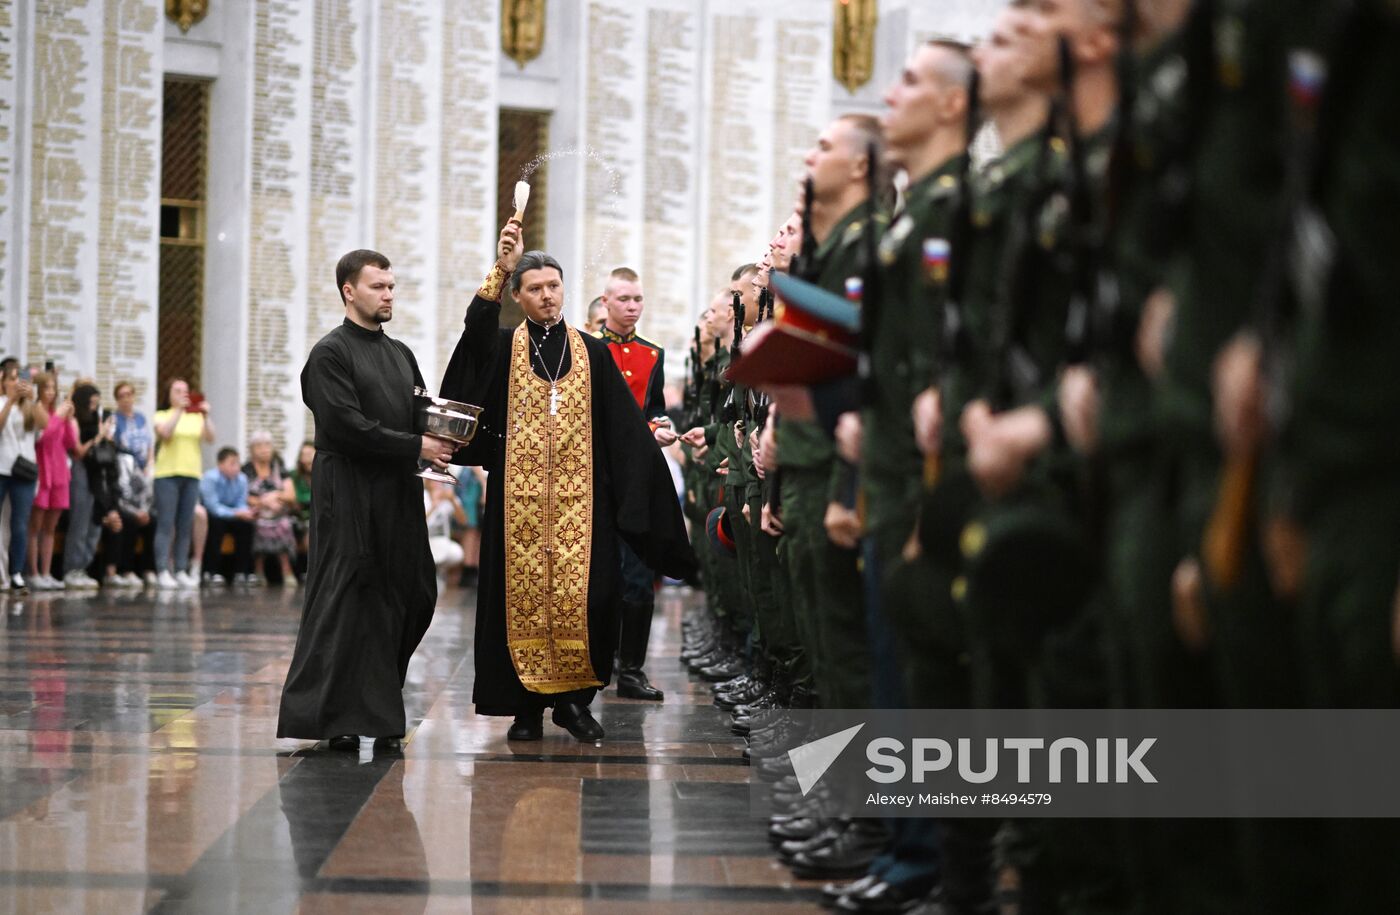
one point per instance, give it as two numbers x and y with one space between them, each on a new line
1124 434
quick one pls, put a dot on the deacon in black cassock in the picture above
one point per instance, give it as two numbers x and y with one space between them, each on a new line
571 467
370 584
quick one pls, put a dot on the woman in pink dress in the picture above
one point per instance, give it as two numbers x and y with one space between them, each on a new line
51 500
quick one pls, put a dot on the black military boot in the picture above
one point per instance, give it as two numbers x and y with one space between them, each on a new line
632 682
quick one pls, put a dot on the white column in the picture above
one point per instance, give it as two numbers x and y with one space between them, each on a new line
802 103
65 143
467 209
337 176
613 101
230 230
671 175
128 279
12 66
406 58
281 166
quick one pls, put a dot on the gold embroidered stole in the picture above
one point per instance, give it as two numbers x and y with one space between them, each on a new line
549 521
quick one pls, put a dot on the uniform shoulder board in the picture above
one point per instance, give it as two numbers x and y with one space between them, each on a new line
946 186
889 245
852 233
1054 215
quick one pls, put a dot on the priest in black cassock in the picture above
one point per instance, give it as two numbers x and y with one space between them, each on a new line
572 466
370 583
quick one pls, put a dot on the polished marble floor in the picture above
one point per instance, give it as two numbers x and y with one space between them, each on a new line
139 772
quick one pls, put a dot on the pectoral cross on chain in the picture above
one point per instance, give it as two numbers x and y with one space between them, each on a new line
553 401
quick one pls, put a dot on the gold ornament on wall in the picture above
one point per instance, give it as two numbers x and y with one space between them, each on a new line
853 42
522 29
186 12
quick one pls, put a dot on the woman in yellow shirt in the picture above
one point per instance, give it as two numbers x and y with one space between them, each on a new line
180 431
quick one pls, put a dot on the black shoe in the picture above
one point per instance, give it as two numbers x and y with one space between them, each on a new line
881 897
832 892
633 684
849 856
388 744
830 831
527 726
799 828
345 742
773 769
578 721
727 670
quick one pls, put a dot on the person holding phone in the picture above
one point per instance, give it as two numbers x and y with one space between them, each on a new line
93 455
58 437
180 429
21 418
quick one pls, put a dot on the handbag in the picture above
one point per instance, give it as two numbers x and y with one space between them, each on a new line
24 470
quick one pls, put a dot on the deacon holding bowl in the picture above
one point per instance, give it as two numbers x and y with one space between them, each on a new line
572 467
370 585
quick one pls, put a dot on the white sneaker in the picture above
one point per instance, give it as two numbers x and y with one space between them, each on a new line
151 579
79 579
215 580
166 582
186 580
130 580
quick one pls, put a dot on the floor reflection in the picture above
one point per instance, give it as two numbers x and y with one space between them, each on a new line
139 772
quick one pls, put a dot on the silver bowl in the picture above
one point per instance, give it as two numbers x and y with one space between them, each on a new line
446 419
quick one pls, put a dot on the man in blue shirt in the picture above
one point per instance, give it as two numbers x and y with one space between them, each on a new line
224 492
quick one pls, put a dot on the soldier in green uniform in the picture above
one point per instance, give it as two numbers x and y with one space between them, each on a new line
925 134
1043 645
713 439
823 576
1329 517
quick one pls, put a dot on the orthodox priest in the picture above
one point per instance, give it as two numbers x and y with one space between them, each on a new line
571 467
370 584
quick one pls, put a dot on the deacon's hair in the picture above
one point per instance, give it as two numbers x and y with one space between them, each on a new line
349 267
226 452
532 260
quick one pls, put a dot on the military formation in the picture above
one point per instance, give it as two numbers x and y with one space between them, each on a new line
1125 432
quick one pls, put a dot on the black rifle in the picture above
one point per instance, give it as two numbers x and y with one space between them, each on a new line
870 286
1297 268
1084 243
803 265
954 345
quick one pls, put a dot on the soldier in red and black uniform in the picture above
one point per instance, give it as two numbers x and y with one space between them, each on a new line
642 364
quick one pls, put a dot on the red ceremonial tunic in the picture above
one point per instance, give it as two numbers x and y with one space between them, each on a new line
641 363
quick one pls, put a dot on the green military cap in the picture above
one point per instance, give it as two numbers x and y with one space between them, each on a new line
1028 567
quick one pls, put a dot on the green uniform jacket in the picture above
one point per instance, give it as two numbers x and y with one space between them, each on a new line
904 347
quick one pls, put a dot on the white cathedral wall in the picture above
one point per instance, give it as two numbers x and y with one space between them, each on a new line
337 124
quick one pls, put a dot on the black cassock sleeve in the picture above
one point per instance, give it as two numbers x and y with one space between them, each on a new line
328 388
648 512
473 375
468 371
